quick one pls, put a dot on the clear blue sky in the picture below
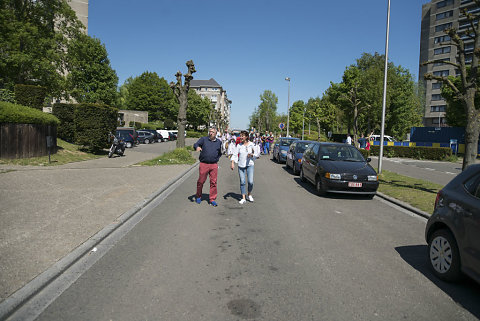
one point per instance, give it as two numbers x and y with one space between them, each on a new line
249 46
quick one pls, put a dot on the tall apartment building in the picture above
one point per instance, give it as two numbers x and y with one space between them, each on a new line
81 9
217 95
437 16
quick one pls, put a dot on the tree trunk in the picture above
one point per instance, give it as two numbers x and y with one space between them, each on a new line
472 130
182 119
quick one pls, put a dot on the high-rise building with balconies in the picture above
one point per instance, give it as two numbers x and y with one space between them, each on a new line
81 9
435 44
217 95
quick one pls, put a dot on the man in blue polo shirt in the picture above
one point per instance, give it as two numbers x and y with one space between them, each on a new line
210 148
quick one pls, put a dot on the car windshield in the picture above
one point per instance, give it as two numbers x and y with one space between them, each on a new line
341 153
301 147
286 142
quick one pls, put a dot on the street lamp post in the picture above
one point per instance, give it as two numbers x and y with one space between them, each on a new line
303 123
288 106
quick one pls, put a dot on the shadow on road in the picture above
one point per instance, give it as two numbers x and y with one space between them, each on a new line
465 293
205 197
235 196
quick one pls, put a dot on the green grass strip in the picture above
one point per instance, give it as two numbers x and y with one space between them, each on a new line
416 192
175 157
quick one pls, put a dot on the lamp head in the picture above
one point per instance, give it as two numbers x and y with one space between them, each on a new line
287 78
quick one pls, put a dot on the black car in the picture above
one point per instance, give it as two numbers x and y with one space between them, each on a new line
338 168
156 136
145 137
453 231
295 154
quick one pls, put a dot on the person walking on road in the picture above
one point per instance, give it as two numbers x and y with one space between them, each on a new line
244 156
362 141
210 148
349 140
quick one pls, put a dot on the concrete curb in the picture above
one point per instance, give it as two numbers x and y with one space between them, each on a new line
21 296
404 205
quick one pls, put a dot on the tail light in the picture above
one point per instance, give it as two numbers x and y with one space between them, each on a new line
439 199
300 160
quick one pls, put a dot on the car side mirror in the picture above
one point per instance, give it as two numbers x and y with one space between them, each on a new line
369 160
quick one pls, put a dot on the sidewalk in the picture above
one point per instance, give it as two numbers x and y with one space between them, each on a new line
47 212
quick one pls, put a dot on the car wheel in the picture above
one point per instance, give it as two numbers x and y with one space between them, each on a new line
129 145
444 257
319 187
286 165
295 170
147 141
302 177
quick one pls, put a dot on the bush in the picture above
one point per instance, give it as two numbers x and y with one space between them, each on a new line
195 134
31 96
65 113
7 95
417 152
17 114
93 122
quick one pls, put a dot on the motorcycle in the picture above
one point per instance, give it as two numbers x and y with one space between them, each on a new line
118 147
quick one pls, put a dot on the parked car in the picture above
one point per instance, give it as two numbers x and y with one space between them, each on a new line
281 147
156 136
171 136
145 137
338 168
164 134
295 154
129 130
453 231
386 138
126 137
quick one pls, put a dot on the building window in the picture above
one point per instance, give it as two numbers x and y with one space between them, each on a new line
444 15
438 121
442 50
436 97
443 27
441 73
439 108
445 3
440 63
441 39
437 85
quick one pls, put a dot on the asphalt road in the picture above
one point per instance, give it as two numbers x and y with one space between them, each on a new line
290 255
433 171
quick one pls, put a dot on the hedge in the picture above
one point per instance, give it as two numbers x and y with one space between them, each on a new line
17 114
93 122
195 134
31 96
65 113
7 95
430 153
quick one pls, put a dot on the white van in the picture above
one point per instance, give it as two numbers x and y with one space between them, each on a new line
386 138
164 134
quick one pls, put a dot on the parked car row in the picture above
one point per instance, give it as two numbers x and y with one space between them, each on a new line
331 167
452 231
133 137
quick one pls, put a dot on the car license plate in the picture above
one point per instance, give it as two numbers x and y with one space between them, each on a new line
352 184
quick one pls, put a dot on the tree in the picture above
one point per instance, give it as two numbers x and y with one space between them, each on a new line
323 111
267 109
181 92
33 37
90 77
149 92
296 116
468 91
198 111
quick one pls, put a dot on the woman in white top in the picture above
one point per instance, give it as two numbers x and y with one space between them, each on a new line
245 155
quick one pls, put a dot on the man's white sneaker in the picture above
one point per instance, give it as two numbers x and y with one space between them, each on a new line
243 201
250 198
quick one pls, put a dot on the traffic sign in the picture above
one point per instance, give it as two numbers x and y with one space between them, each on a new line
281 126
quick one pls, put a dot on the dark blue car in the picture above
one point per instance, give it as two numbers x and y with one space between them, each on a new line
295 154
281 147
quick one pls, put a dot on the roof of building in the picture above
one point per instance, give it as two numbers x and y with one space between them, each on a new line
204 83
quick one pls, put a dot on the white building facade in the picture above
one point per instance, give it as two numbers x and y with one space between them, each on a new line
217 95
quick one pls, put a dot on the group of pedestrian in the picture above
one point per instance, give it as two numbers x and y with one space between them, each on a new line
363 142
241 151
